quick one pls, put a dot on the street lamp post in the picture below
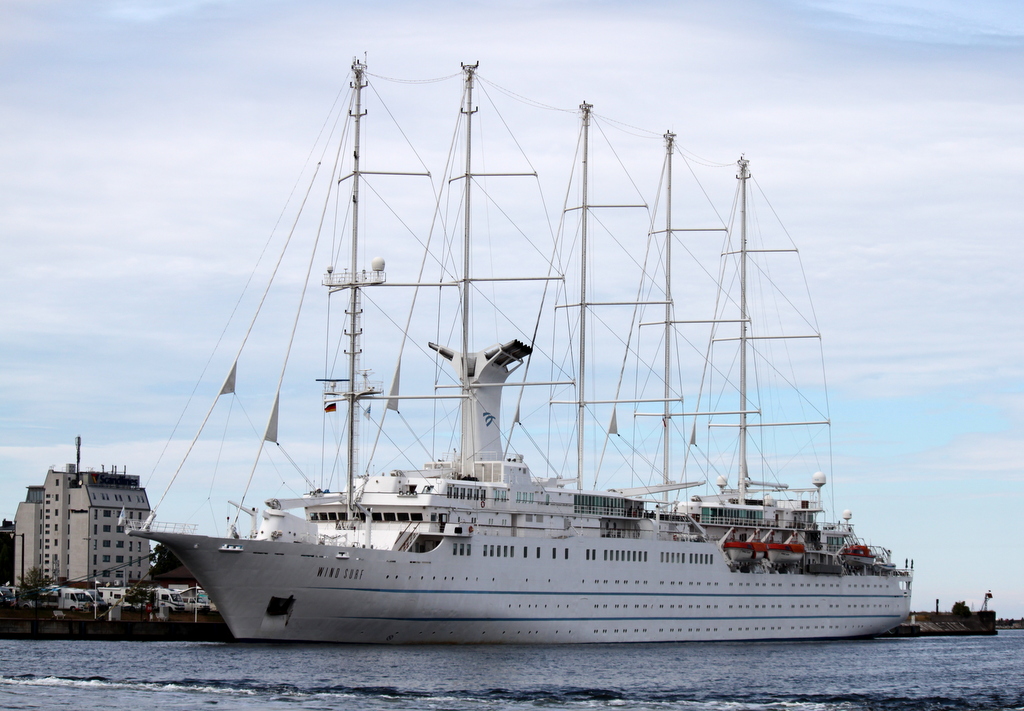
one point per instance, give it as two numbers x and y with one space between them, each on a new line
17 598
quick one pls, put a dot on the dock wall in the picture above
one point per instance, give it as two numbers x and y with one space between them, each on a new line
115 631
945 624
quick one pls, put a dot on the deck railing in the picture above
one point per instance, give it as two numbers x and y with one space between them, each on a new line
619 533
161 526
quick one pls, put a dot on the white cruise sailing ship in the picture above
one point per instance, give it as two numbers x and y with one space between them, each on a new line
476 548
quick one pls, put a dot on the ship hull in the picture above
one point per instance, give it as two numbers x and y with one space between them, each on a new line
558 593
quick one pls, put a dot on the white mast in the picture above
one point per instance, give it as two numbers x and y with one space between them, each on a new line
670 139
742 177
470 72
585 108
355 296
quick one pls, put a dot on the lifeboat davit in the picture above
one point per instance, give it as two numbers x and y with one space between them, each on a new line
744 551
859 556
785 552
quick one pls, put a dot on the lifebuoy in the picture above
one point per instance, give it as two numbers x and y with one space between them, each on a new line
483 503
470 529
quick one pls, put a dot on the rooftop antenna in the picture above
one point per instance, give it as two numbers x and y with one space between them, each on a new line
78 454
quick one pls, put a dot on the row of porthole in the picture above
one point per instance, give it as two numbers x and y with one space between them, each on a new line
504 632
322 571
500 551
694 558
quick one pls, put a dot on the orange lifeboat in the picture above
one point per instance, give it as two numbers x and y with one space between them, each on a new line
860 556
785 552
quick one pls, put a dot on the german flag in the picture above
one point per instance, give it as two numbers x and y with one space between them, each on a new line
333 407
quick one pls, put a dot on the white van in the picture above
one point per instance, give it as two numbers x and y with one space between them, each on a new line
169 599
113 595
196 600
74 599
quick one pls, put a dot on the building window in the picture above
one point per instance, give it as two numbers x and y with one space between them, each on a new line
120 544
119 559
106 513
106 528
106 559
106 544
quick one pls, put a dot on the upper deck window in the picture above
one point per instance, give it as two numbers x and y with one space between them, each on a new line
710 514
606 505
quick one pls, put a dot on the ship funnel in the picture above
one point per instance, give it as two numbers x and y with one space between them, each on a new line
483 373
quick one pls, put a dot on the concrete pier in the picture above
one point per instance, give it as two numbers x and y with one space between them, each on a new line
115 631
943 624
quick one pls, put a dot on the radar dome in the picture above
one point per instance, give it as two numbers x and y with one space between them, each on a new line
818 479
722 481
377 264
847 515
330 268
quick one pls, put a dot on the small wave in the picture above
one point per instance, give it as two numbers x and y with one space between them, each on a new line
541 698
99 682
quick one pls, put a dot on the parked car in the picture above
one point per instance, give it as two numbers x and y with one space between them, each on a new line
44 599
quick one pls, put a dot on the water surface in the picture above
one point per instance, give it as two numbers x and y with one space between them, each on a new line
917 674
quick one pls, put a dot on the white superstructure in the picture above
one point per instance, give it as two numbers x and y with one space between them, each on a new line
475 548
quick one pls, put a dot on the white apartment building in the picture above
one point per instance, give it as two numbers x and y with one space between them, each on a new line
71 531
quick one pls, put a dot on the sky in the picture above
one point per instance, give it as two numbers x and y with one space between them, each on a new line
152 147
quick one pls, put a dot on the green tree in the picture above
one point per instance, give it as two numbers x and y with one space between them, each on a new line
139 595
162 560
961 610
33 584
